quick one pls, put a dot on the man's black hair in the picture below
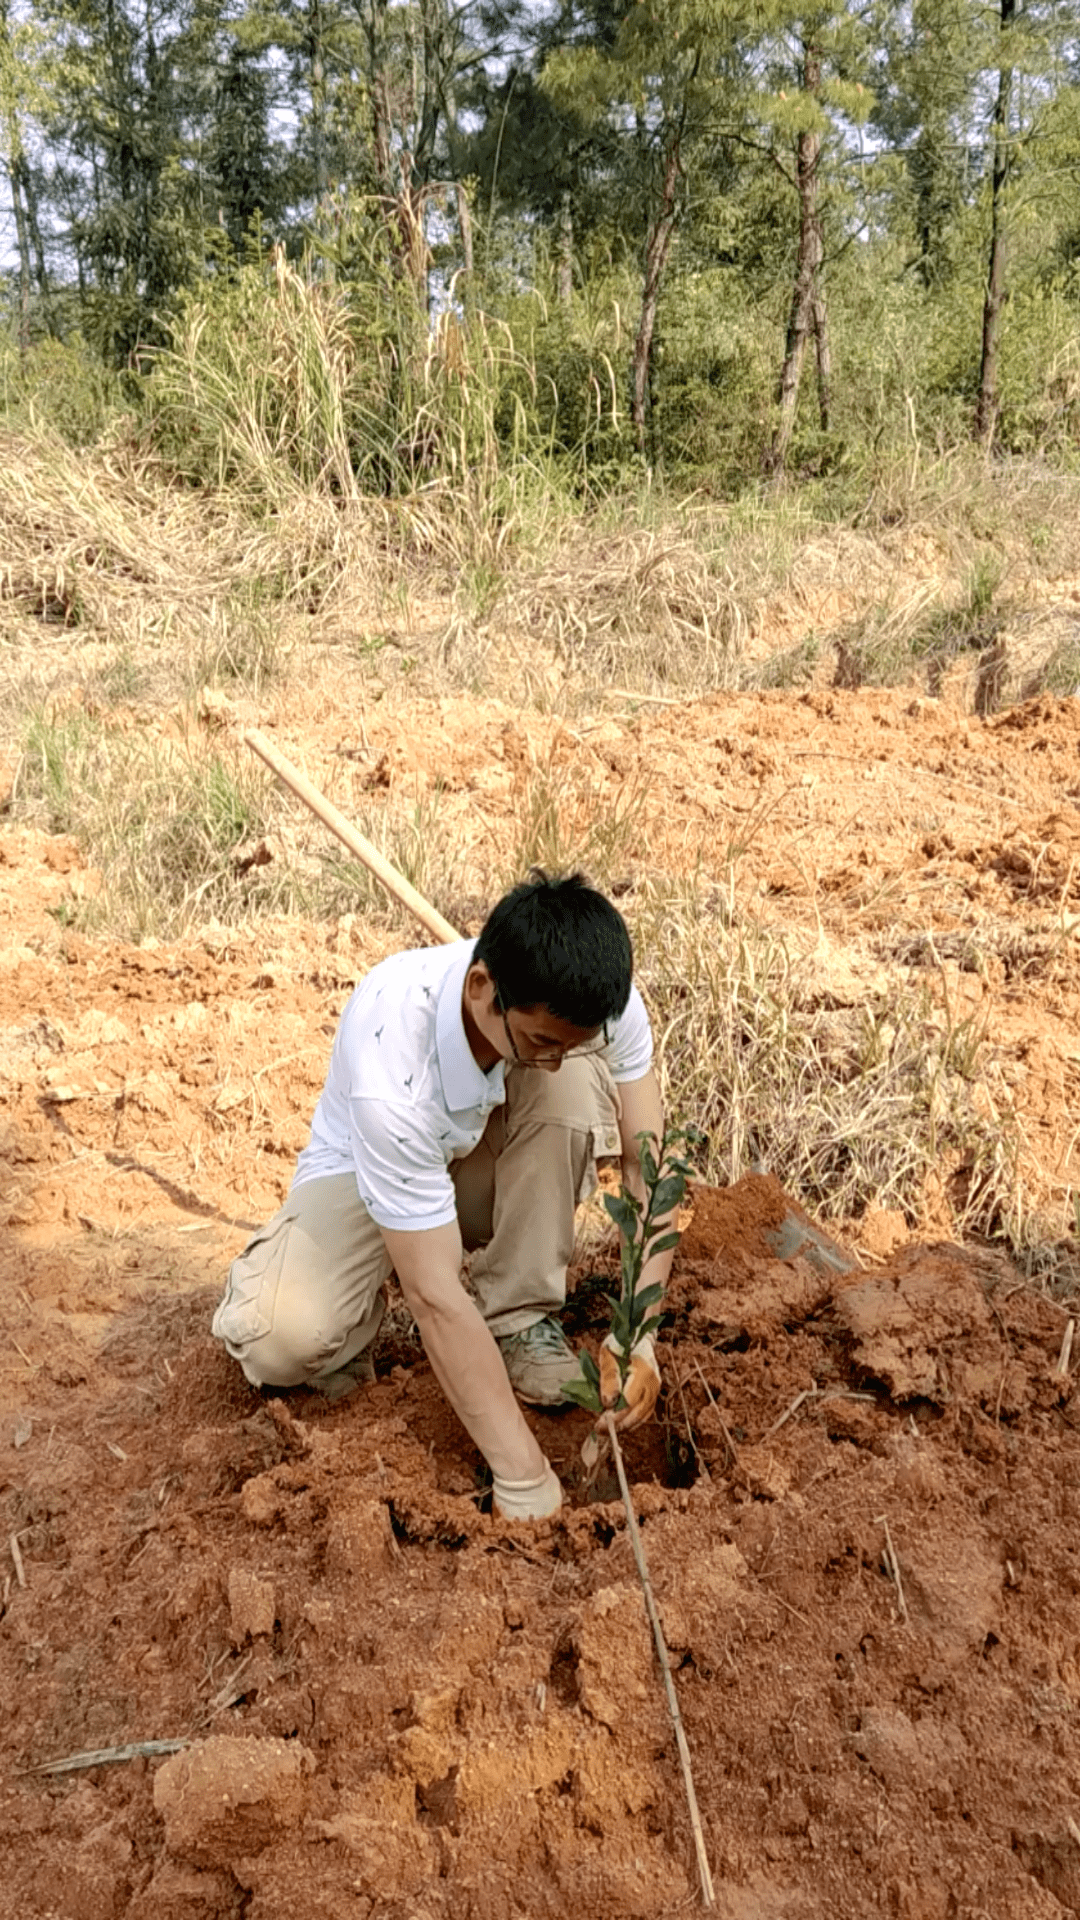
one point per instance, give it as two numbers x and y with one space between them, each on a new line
558 944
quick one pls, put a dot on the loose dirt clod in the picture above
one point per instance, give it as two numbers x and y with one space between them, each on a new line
223 1798
252 1609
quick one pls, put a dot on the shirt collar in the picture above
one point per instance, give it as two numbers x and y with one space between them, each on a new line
464 1083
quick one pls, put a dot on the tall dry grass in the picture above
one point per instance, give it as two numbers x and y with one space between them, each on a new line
850 1108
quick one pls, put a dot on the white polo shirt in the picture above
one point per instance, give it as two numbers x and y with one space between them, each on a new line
404 1095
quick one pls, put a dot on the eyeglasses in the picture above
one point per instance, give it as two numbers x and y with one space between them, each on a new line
550 1056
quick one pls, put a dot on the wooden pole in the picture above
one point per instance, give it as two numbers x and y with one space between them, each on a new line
376 862
708 1898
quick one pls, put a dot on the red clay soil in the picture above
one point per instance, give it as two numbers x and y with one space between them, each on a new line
396 1705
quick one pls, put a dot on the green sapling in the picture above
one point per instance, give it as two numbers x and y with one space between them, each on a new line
645 1230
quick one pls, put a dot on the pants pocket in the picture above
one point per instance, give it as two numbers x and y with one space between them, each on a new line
247 1311
598 1147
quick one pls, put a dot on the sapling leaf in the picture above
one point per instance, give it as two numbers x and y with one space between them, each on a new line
589 1367
622 1325
583 1394
665 1241
650 1326
667 1194
624 1210
647 1158
648 1296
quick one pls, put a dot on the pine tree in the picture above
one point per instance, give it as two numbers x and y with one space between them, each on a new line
1033 40
20 92
818 71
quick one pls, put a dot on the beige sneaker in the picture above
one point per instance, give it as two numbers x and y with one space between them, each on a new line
357 1372
539 1361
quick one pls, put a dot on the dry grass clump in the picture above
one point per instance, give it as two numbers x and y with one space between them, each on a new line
567 818
165 824
103 548
848 1107
645 610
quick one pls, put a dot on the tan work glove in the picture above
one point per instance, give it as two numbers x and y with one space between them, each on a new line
535 1499
642 1387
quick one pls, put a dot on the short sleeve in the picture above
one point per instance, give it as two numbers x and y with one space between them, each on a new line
629 1052
401 1169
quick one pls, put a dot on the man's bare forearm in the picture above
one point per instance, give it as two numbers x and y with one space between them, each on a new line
470 1371
466 1361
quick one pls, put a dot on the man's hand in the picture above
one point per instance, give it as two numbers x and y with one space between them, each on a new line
535 1499
642 1387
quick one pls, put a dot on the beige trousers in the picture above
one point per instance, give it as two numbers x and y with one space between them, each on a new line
306 1294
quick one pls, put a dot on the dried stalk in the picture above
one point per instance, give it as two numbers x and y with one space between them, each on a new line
893 1565
707 1896
108 1756
724 1428
705 1474
813 1393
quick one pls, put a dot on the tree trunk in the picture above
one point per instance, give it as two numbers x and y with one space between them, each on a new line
824 358
318 99
10 126
564 250
22 241
657 249
464 213
380 103
436 64
25 179
986 409
807 299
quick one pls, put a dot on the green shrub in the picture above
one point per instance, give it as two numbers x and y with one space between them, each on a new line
62 387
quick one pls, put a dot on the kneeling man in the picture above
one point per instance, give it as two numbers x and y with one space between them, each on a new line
472 1089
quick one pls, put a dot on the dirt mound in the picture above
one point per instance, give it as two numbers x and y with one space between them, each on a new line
396 1705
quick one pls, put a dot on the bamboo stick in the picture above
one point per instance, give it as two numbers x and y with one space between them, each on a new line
708 1898
376 862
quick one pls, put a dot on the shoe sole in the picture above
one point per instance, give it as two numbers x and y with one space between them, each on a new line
558 1399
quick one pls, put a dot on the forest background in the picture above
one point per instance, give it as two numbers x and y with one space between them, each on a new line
711 240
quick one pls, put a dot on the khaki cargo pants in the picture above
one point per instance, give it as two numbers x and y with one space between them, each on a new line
306 1294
